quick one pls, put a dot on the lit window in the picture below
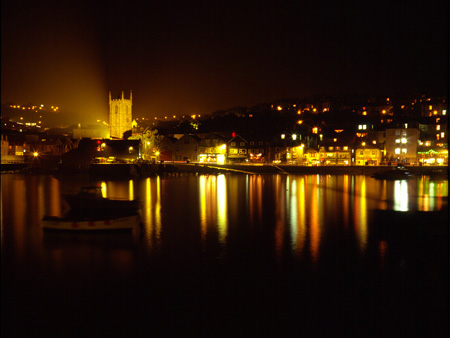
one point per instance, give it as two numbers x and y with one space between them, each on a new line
444 112
345 148
364 127
442 135
404 132
406 125
360 127
403 140
397 140
397 151
431 107
438 127
404 151
283 136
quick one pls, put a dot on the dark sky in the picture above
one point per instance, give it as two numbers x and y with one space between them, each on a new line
194 57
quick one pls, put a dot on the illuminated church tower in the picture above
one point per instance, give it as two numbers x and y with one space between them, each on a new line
119 116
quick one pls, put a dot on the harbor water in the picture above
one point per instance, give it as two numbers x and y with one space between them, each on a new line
232 255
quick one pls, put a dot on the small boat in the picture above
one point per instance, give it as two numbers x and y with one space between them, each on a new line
91 224
397 173
91 198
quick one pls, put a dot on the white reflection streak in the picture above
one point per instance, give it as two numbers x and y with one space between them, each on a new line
222 220
293 214
400 195
432 193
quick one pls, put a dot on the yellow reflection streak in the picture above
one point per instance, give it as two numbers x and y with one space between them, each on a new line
104 190
130 190
222 218
301 221
363 216
401 195
203 222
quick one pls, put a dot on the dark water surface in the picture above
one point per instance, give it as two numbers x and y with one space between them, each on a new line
231 256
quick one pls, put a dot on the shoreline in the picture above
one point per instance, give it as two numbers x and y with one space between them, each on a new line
136 171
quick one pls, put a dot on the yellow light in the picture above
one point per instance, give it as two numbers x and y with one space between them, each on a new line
383 111
300 121
364 113
364 144
157 153
35 154
279 108
283 136
314 130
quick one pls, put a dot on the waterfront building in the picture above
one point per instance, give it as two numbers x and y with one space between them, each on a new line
120 115
237 149
335 154
401 144
186 148
368 155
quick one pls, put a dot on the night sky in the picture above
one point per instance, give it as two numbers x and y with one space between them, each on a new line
194 57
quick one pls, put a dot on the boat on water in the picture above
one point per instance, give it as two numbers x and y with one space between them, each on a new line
91 224
91 198
397 173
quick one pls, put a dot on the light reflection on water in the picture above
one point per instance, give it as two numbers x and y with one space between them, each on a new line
302 209
210 242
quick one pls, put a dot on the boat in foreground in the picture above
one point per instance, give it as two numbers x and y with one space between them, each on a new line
91 198
397 173
102 224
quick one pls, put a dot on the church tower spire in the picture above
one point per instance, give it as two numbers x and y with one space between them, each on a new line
120 116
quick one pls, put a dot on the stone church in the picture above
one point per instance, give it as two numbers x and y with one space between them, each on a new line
120 118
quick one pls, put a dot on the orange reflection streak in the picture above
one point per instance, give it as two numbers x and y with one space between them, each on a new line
280 207
54 198
158 208
255 198
314 222
345 200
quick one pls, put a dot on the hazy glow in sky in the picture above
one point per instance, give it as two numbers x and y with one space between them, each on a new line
196 58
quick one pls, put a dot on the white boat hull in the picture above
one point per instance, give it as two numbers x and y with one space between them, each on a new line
127 223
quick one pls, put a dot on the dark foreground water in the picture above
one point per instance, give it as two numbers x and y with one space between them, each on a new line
231 256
